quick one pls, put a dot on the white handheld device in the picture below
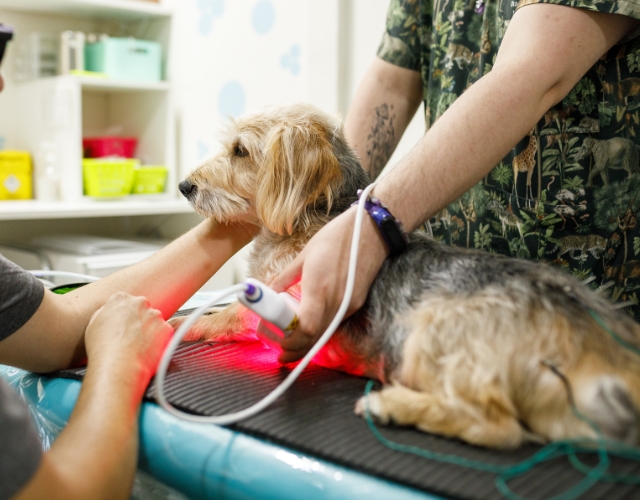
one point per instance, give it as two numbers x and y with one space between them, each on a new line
281 309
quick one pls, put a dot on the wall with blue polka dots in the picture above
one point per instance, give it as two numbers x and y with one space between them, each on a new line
231 57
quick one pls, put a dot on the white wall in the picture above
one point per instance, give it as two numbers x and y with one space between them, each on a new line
231 58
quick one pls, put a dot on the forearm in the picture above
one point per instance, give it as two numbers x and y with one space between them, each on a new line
382 108
486 122
95 456
169 277
53 338
479 130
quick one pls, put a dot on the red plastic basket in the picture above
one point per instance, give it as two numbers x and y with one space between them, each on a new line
99 147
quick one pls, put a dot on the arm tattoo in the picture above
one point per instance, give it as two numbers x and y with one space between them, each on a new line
381 140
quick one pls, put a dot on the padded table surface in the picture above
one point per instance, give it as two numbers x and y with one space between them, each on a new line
316 418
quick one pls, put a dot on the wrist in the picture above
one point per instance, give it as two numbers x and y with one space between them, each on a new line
114 389
389 228
371 242
235 235
121 368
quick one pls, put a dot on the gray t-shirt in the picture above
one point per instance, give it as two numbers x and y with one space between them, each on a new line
20 450
20 296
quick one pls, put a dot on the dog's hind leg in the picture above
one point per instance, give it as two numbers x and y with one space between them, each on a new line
602 398
607 401
438 414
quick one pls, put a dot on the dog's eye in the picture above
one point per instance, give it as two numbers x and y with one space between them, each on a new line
240 151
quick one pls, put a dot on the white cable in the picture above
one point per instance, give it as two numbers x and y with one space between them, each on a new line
232 418
40 273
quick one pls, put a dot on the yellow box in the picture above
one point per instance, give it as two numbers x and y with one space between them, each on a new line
149 179
108 178
16 175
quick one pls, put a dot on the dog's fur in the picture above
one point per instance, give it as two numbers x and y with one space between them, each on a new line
463 340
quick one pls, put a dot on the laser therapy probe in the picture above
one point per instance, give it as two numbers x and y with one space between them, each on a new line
281 311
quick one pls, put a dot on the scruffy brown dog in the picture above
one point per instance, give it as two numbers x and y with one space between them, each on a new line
469 344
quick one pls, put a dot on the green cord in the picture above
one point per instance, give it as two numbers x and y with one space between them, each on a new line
505 473
613 334
568 448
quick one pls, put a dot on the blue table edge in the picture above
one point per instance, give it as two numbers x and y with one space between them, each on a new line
209 461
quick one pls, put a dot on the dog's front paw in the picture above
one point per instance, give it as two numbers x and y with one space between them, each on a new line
376 409
192 335
176 322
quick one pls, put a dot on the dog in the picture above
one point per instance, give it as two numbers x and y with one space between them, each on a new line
471 345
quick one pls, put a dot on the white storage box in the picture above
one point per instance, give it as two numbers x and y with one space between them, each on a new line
94 256
89 255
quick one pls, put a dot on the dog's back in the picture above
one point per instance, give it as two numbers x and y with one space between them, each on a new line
497 343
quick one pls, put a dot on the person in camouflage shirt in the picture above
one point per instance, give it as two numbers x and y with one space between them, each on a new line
532 114
569 192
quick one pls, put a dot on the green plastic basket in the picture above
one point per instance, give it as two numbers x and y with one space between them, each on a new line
149 179
108 178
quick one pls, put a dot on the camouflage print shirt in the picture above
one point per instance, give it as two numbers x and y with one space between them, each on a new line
569 192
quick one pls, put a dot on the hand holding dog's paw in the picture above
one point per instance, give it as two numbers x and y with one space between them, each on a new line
376 409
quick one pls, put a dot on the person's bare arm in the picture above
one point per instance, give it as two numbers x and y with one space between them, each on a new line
95 456
384 104
546 50
54 337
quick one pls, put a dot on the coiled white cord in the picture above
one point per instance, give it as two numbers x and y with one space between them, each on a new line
232 418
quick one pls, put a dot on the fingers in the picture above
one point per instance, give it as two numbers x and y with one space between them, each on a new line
291 356
290 276
127 328
322 269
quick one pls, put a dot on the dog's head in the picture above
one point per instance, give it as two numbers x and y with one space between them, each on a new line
287 169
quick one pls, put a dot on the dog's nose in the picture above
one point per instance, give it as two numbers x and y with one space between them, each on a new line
186 188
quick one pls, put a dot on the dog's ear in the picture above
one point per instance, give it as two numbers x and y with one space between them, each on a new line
299 174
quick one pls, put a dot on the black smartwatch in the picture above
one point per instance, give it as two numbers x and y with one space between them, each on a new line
390 228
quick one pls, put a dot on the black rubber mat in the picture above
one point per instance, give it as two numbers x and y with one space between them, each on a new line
316 417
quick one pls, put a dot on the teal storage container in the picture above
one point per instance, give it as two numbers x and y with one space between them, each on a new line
125 59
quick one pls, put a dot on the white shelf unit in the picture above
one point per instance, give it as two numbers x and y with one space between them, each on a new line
117 9
64 109
32 209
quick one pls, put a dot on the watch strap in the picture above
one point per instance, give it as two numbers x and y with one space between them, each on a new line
389 227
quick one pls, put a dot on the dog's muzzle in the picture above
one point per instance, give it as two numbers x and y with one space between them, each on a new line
187 189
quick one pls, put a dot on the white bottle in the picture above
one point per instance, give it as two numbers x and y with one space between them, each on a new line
71 51
47 172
